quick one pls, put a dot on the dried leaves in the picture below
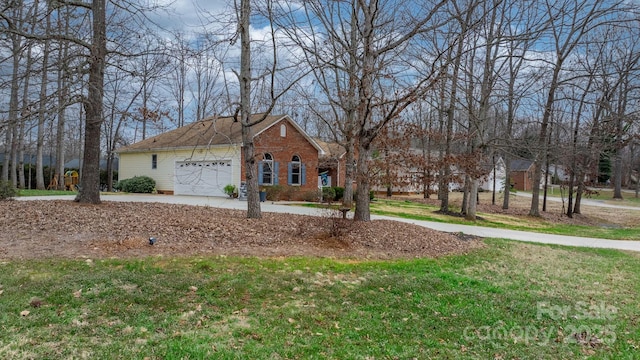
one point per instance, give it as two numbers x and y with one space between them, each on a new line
37 229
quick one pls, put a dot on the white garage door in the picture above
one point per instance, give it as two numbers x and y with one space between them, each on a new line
204 178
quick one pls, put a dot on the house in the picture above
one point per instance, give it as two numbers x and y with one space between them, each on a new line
522 174
47 160
203 157
495 177
75 164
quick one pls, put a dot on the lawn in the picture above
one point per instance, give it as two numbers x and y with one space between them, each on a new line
508 300
35 192
602 223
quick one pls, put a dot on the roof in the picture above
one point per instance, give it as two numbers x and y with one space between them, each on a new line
47 160
209 132
75 164
520 164
331 149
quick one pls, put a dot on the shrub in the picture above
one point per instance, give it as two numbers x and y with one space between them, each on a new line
311 196
339 190
274 192
289 192
7 191
137 184
230 190
328 194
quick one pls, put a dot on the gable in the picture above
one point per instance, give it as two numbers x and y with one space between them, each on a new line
214 131
283 140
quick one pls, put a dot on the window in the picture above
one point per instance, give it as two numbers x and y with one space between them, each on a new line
283 130
267 171
154 161
296 173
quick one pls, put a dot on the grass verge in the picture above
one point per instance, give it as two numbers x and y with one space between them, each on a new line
418 211
510 300
34 192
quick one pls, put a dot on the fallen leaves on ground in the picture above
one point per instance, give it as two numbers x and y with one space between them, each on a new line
43 229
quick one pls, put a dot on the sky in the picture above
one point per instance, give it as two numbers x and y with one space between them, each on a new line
188 14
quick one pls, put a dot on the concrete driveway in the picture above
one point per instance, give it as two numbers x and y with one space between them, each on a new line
227 203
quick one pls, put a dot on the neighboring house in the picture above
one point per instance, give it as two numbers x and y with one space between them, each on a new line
75 164
47 160
487 182
203 157
522 174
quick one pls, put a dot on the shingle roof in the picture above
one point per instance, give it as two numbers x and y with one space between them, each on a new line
520 164
208 132
331 149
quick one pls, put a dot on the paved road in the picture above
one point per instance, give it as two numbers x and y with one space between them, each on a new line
227 203
587 202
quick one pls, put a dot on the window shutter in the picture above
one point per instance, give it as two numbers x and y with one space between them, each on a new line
289 173
303 174
276 172
260 182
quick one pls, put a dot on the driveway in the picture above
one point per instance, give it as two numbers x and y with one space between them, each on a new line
227 203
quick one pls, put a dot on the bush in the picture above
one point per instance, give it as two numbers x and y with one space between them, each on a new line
274 192
137 184
311 196
289 192
230 190
7 191
328 194
339 190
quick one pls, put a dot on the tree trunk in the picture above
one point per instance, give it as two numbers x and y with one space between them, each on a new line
443 186
465 195
362 212
251 173
570 195
90 183
507 182
21 180
542 142
472 201
7 155
617 175
349 174
42 114
579 192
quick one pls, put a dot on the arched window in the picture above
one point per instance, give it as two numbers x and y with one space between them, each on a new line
267 170
296 171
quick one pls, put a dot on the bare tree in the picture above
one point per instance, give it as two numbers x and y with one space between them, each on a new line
358 62
270 95
569 21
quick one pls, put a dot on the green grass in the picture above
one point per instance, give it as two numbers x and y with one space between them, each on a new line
34 192
418 211
488 304
629 198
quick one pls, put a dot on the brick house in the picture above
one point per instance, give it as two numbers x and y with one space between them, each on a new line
203 157
521 175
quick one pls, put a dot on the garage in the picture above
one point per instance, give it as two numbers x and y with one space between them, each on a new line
203 178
